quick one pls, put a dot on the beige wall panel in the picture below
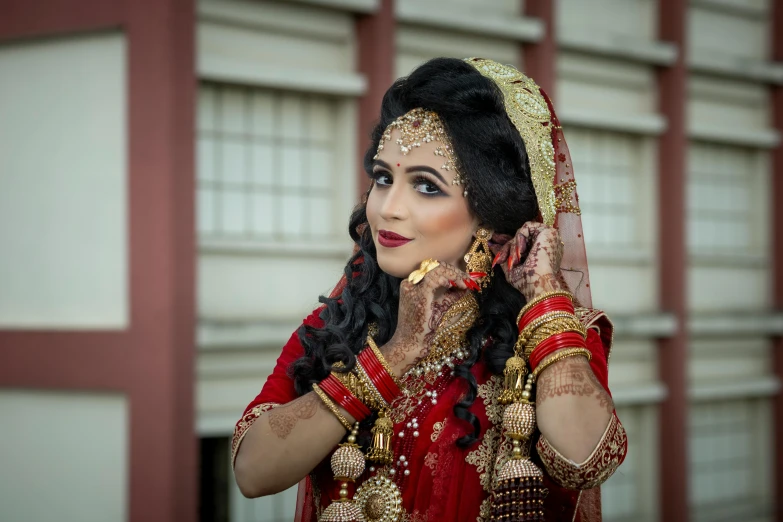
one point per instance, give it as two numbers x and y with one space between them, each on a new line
709 30
728 103
615 19
477 7
626 289
729 359
249 288
415 45
600 84
251 46
63 212
714 289
632 362
73 466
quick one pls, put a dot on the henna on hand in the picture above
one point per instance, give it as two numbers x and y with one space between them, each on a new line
571 377
421 309
284 418
539 271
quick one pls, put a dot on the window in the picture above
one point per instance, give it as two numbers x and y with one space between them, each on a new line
721 187
727 450
266 164
606 165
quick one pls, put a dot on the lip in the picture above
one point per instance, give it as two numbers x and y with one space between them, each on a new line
390 239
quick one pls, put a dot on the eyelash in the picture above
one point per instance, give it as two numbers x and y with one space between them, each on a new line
419 180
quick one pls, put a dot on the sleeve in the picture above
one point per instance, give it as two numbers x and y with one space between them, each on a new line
278 389
611 449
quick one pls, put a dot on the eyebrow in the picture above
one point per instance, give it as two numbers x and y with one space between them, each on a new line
415 168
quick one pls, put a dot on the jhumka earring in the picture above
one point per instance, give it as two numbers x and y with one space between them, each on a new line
479 257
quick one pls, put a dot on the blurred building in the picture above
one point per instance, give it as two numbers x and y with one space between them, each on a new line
175 183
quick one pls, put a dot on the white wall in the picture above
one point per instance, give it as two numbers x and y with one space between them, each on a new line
64 457
63 183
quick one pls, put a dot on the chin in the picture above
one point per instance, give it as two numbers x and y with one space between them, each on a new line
396 269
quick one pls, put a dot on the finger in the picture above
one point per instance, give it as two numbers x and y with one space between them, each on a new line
447 276
502 255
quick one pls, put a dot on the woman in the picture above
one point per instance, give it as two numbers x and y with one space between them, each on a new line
409 395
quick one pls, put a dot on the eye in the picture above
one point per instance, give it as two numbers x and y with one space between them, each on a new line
425 186
382 178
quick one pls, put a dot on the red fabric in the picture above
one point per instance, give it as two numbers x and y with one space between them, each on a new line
443 485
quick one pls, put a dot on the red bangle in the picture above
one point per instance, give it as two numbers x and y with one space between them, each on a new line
555 304
554 343
378 375
343 396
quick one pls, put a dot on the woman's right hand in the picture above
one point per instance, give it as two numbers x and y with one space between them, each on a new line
421 309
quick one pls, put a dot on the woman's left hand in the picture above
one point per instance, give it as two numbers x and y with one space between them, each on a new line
538 272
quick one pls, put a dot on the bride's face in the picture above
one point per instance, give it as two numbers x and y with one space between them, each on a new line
415 212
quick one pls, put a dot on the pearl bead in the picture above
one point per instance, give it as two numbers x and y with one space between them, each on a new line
402 434
392 471
429 394
351 439
343 493
372 469
415 433
405 464
402 458
525 394
409 424
434 401
407 472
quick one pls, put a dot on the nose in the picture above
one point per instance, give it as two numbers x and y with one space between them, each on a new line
393 205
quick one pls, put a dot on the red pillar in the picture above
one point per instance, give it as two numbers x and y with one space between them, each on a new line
540 57
152 361
673 266
377 52
777 256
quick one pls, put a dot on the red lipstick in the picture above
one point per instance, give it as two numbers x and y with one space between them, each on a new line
390 239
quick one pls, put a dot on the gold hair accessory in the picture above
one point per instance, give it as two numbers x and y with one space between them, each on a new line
529 111
422 126
479 257
427 266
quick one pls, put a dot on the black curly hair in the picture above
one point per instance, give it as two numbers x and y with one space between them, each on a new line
492 156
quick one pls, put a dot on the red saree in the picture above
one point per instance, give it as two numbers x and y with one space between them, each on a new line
443 481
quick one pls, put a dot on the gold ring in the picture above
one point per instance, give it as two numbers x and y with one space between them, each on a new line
428 265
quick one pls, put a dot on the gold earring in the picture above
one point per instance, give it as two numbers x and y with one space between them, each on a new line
479 257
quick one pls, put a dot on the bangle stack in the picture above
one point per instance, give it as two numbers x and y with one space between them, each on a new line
369 387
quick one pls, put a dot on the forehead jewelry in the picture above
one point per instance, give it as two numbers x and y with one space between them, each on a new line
422 126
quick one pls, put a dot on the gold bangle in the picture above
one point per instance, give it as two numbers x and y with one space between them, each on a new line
374 398
332 406
528 331
559 355
554 327
382 360
543 297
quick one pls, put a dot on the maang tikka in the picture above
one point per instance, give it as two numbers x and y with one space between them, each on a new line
422 126
479 257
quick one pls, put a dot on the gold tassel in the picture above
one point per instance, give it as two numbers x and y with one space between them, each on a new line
520 492
382 431
513 376
347 466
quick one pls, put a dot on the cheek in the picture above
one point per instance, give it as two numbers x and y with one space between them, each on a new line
448 221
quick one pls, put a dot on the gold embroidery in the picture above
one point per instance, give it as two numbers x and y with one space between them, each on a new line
599 466
564 197
247 420
529 112
484 457
589 318
490 391
431 461
437 428
416 516
484 512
